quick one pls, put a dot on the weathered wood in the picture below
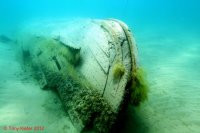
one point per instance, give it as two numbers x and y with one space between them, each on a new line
94 56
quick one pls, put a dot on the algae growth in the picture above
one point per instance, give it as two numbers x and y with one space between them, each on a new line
54 65
118 70
138 87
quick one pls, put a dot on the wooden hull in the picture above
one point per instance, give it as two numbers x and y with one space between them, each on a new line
89 63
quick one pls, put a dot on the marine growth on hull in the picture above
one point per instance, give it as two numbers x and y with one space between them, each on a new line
91 64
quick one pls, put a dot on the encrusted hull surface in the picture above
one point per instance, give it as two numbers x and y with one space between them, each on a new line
88 62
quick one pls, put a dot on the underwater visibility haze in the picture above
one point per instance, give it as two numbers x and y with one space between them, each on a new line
167 36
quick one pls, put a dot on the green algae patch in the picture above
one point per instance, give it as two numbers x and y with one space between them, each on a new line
118 70
139 87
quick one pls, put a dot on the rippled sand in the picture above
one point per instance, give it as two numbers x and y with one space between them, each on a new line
23 103
172 61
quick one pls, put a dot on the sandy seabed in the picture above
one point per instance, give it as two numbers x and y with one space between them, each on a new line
172 64
24 107
171 58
